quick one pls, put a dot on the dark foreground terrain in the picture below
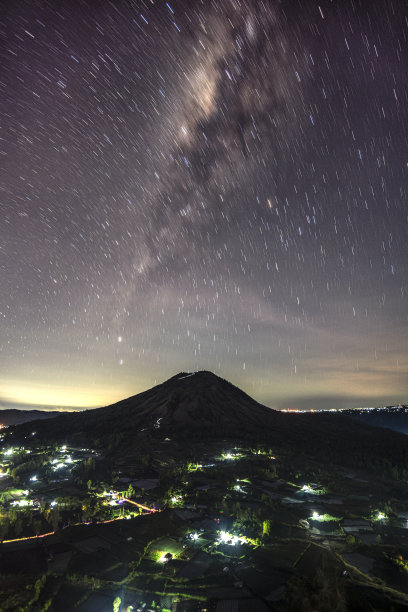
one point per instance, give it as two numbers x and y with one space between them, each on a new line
192 496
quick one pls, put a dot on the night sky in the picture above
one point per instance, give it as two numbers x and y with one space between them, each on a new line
204 185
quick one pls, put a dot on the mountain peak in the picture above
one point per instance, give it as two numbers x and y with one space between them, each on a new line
198 375
187 402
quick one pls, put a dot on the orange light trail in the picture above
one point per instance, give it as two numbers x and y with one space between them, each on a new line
139 505
43 535
118 518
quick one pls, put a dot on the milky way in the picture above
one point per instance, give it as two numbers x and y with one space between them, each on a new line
204 185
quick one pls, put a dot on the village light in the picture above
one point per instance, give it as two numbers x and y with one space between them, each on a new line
165 558
33 478
21 502
9 452
315 516
228 538
381 516
224 537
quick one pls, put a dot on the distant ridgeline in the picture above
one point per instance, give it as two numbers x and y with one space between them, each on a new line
190 407
13 416
390 417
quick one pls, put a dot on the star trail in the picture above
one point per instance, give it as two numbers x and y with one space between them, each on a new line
215 185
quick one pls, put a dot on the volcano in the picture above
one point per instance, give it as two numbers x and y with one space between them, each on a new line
185 405
203 406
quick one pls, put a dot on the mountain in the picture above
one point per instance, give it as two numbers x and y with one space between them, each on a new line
12 416
182 405
191 398
390 417
197 406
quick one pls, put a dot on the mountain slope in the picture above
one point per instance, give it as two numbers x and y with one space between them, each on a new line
181 405
13 416
186 398
390 417
201 406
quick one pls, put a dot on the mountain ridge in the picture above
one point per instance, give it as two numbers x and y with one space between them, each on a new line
201 405
186 401
15 416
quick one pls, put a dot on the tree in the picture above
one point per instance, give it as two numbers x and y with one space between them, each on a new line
18 527
130 492
36 525
55 518
4 527
266 527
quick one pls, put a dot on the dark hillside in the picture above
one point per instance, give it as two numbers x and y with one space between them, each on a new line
201 405
391 417
12 416
182 405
